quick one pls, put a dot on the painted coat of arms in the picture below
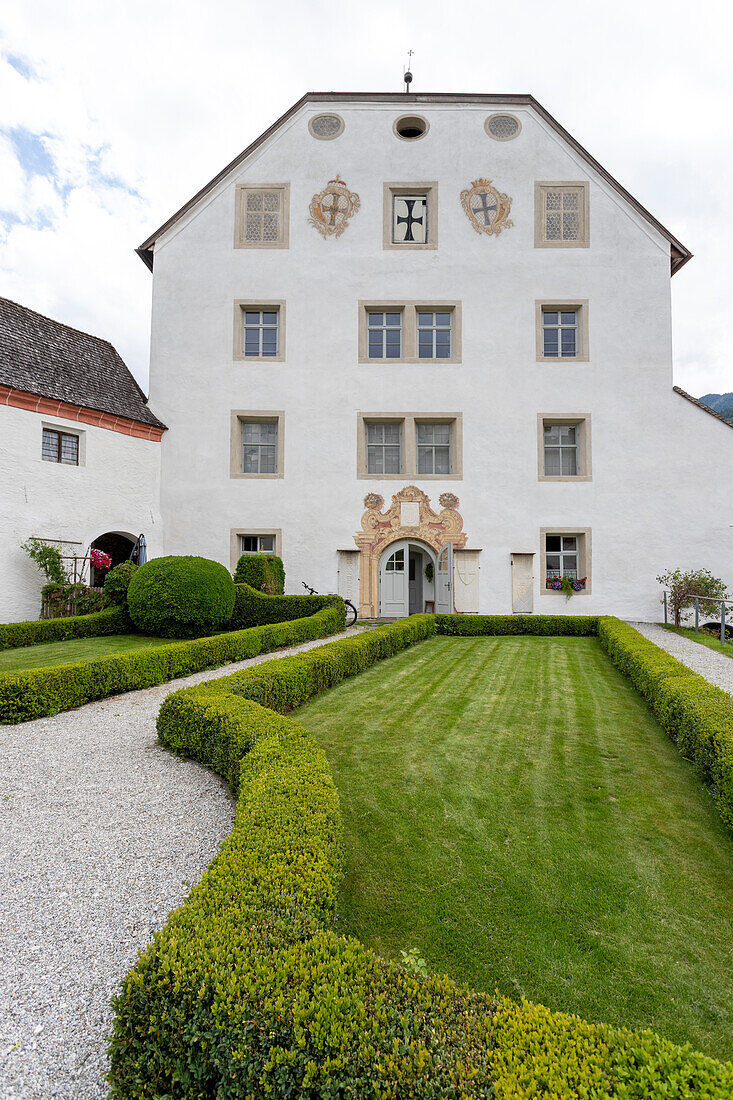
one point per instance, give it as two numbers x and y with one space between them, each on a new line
331 208
486 208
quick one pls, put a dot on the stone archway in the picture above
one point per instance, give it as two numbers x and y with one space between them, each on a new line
410 516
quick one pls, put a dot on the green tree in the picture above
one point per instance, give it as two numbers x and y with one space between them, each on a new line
685 585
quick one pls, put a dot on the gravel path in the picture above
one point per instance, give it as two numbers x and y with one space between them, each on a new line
102 833
715 667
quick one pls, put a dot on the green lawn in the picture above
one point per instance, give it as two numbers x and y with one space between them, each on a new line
513 810
76 649
703 639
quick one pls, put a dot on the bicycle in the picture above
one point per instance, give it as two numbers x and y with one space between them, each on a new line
351 612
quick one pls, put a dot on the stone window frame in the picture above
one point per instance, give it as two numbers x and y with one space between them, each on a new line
430 190
582 421
407 119
236 532
585 554
409 309
541 187
240 219
409 422
580 305
326 137
237 416
502 114
241 305
62 429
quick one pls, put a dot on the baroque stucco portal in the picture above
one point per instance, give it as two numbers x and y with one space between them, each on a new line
410 516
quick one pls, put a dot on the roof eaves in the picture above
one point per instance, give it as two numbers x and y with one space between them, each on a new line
679 254
701 405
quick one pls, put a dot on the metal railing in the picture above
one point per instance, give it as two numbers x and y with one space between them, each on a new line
697 600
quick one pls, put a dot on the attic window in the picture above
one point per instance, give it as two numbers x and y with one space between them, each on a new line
502 127
411 127
326 127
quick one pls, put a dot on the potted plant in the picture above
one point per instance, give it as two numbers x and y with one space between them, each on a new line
566 584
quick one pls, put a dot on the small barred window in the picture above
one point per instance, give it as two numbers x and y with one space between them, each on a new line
502 127
562 214
262 217
326 127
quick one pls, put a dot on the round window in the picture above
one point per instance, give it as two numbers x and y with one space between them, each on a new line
502 127
411 127
326 127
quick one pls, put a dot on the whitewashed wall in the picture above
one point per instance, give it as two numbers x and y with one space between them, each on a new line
115 488
662 469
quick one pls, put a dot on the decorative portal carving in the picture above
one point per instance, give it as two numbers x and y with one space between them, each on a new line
486 208
379 529
331 208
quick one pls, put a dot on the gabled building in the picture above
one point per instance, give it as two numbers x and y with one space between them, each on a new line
420 345
79 452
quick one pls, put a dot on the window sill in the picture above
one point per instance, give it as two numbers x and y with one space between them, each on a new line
258 477
560 477
409 361
561 360
362 476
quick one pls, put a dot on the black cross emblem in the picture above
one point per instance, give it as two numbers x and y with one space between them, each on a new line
410 220
484 208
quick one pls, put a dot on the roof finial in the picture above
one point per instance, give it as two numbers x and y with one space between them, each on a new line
408 75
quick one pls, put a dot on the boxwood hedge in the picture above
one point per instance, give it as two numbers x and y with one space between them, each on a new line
248 991
114 620
180 596
265 572
36 693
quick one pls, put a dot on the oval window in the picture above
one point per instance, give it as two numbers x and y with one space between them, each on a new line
502 127
326 127
411 127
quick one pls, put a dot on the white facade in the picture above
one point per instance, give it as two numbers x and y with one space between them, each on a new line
115 488
659 471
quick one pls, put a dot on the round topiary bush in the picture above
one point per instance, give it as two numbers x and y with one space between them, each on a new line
180 597
117 582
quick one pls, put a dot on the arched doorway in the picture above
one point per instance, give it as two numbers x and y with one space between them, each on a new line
412 577
119 547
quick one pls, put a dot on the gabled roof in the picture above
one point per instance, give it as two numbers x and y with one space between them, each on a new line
679 254
42 356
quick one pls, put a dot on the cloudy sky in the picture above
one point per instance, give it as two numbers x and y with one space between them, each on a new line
112 115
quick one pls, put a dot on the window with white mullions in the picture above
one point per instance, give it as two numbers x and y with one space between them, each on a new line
257 544
260 333
560 333
396 563
561 556
60 447
434 335
259 447
433 448
561 450
385 335
384 448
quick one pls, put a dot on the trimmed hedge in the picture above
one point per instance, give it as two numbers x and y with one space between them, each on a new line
247 991
113 620
496 625
252 608
180 596
36 693
697 715
117 582
265 572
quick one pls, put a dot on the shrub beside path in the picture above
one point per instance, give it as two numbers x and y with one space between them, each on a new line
102 833
715 667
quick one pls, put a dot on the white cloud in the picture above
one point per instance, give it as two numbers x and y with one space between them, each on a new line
155 98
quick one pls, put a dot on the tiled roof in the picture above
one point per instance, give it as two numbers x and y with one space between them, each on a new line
700 405
42 356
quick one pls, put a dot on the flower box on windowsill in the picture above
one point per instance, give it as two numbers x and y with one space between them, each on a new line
555 583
